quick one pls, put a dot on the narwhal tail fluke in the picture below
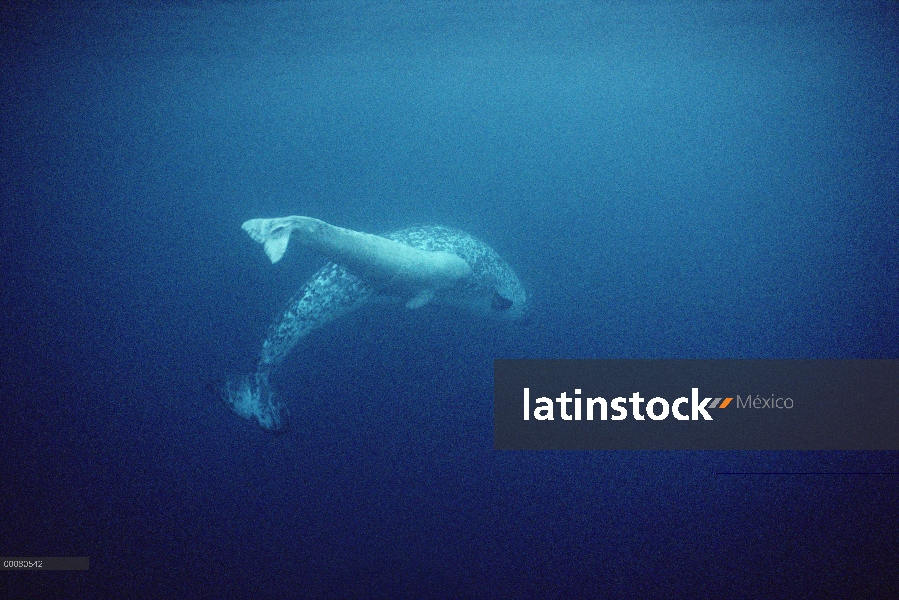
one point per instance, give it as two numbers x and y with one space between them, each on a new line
271 233
253 398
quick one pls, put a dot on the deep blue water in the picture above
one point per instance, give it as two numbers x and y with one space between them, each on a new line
693 180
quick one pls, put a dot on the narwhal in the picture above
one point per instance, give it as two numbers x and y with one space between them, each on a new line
414 266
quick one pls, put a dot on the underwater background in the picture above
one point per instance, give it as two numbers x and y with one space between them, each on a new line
669 180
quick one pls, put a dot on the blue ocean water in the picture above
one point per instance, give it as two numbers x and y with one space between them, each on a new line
670 180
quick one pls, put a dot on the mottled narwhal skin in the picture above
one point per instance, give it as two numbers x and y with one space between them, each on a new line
393 268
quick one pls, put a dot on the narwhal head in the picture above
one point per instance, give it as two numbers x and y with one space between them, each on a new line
491 288
509 299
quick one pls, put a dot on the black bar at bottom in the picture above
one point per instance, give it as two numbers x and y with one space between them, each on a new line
44 563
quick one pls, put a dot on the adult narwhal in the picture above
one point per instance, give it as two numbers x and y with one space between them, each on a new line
416 265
